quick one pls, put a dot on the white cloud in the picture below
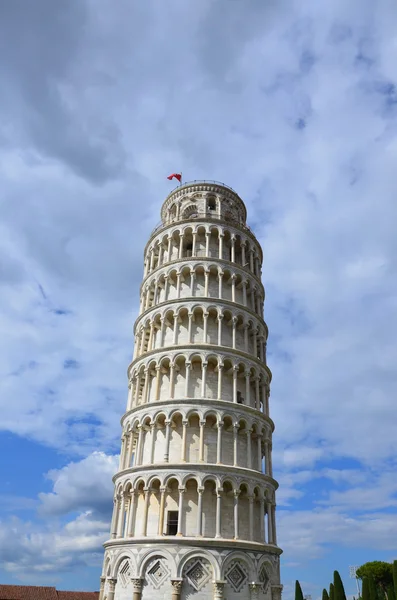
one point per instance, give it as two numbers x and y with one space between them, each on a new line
86 484
290 103
27 550
305 535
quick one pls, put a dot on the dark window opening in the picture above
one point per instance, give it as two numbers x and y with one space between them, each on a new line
211 204
240 399
189 249
172 522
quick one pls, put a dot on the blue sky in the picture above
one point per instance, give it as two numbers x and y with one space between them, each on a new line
293 104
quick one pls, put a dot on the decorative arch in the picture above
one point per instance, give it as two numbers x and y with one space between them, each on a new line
202 553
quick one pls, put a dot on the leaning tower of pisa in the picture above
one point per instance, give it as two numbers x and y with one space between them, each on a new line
194 503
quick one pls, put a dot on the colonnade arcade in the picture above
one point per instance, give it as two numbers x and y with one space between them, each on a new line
201 324
198 375
206 507
202 280
211 438
203 240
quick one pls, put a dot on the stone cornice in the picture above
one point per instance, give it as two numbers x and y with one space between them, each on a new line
197 300
212 543
191 467
220 405
225 351
237 228
184 261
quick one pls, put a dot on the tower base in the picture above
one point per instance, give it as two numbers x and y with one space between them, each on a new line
168 570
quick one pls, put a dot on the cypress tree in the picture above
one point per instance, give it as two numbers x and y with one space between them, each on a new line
390 592
394 569
325 595
373 592
339 589
331 592
365 594
298 591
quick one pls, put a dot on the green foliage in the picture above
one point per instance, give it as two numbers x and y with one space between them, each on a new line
325 595
394 572
298 591
380 571
331 592
365 594
373 590
339 590
390 592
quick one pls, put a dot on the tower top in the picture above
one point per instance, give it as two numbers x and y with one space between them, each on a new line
203 199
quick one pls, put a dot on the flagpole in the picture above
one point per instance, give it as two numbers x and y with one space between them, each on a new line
181 177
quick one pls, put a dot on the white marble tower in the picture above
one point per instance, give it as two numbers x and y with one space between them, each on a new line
194 504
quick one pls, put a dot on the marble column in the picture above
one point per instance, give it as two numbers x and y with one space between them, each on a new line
249 452
176 588
262 515
152 441
220 276
219 444
269 523
221 245
236 494
201 447
254 589
183 448
188 366
235 444
206 282
276 592
218 590
220 370
136 588
161 510
205 327
220 318
203 381
131 514
200 492
120 524
158 383
113 525
111 588
218 513
235 369
102 587
145 510
167 440
251 517
180 511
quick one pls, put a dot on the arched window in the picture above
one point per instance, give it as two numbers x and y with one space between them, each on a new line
211 203
190 211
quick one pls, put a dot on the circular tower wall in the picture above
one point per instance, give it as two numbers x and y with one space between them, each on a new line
194 504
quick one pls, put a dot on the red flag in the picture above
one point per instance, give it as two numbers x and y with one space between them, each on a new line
177 176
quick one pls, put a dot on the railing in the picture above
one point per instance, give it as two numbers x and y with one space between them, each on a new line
195 181
203 215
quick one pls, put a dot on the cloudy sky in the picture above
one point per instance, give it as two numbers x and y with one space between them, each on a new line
294 105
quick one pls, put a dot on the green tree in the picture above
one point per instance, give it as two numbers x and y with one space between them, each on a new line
380 571
298 591
390 592
365 594
331 592
373 590
339 590
394 571
325 595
